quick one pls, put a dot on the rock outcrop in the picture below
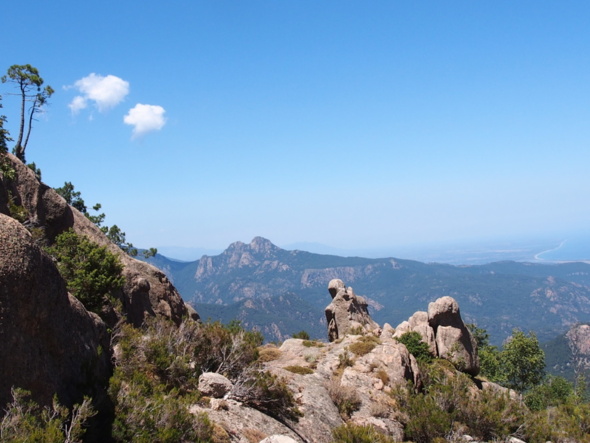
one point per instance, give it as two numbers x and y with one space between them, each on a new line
45 211
214 385
443 330
419 323
347 313
245 424
454 342
49 343
147 291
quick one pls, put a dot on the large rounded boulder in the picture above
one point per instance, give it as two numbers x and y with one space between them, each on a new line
49 343
454 341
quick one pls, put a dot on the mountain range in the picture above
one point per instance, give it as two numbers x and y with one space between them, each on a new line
281 292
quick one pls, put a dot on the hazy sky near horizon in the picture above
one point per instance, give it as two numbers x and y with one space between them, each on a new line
355 124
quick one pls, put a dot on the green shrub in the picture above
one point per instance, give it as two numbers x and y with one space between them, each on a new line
225 349
552 392
566 422
413 342
154 414
91 272
427 420
17 210
490 365
357 330
25 421
155 382
267 393
449 399
522 361
351 433
301 335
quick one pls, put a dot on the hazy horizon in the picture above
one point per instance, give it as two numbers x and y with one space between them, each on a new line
543 249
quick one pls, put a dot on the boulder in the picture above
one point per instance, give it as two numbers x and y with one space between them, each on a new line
49 343
245 424
390 358
371 377
212 384
347 313
46 211
387 331
278 439
454 341
334 286
418 322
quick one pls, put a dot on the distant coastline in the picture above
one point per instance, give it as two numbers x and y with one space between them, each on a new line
570 250
538 257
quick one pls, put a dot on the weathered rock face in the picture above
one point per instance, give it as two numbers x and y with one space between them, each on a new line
371 377
49 343
347 312
578 339
454 342
245 424
214 385
46 210
419 323
147 290
278 439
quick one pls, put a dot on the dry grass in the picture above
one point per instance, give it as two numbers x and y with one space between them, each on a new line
253 435
364 345
220 435
313 343
382 375
344 397
298 370
268 353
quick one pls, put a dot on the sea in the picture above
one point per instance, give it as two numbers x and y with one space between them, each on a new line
572 249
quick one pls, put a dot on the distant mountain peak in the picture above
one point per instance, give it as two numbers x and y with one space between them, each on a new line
257 245
261 244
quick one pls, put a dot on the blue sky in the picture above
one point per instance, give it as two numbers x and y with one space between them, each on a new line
356 124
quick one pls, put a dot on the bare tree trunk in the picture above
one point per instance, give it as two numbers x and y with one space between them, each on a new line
32 112
18 149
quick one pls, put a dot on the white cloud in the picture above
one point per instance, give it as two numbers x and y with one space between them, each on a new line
77 104
145 118
105 92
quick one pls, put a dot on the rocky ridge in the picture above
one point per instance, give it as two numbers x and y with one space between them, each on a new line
315 373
